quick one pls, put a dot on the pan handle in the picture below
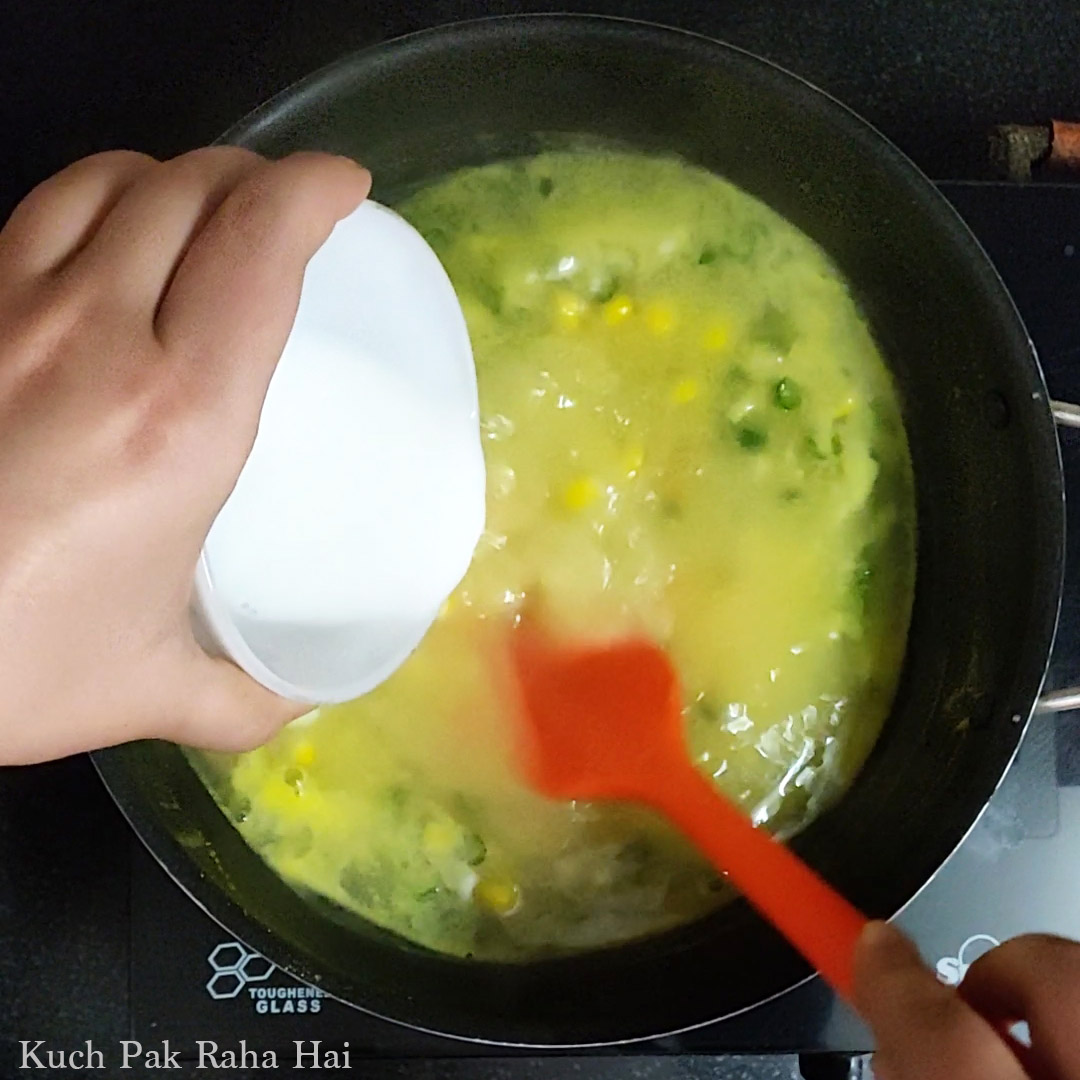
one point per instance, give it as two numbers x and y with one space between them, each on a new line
1065 414
1068 698
1064 700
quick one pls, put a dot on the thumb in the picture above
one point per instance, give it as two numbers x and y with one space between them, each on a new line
210 704
923 1030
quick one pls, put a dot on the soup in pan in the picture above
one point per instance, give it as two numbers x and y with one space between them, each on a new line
689 434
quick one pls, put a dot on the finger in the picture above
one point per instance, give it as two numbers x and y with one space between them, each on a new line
1035 978
61 215
146 233
232 302
923 1029
210 704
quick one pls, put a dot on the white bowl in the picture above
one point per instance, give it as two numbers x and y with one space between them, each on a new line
360 505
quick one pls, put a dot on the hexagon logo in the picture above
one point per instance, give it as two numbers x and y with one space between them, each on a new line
256 968
234 966
225 984
228 956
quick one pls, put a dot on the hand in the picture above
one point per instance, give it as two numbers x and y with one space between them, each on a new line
927 1031
143 307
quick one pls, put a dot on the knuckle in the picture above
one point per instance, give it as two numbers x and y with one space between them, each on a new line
104 168
214 161
113 160
220 155
107 162
87 172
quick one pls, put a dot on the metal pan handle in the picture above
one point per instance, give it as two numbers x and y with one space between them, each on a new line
1068 698
1064 700
1065 414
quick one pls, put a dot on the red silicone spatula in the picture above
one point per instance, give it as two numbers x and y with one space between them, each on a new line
604 722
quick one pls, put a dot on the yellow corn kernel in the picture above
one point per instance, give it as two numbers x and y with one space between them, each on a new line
497 895
447 607
618 308
568 310
440 837
684 392
304 754
633 458
660 318
580 493
846 407
717 337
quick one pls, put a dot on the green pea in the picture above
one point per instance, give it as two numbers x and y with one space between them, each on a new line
475 849
489 294
774 329
787 394
603 285
751 438
736 378
437 238
357 884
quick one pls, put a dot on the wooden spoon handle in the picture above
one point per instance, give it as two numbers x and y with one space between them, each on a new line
812 915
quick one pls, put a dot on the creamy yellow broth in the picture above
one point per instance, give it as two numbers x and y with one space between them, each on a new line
689 433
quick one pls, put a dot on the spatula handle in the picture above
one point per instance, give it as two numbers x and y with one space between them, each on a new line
812 915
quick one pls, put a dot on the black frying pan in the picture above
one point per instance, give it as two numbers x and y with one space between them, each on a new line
988 477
